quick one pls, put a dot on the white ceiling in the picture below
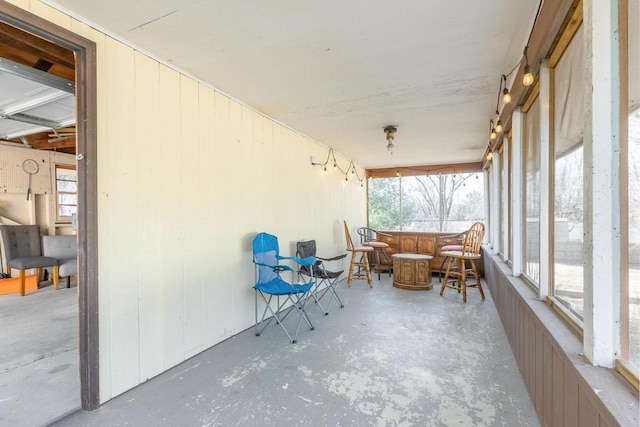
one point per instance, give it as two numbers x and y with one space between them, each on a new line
339 71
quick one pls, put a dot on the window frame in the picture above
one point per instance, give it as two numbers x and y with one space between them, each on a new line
402 226
623 364
571 318
533 95
63 219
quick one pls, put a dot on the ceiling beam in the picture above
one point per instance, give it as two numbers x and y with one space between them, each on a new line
424 170
43 49
44 144
29 59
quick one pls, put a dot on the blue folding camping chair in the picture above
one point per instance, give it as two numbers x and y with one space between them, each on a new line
267 258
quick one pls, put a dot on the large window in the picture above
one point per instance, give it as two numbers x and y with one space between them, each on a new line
437 202
568 188
532 193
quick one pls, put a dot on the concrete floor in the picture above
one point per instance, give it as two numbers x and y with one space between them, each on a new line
39 376
390 357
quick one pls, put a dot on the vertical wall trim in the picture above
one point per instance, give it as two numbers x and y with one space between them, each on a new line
487 202
505 200
545 188
516 190
602 184
495 203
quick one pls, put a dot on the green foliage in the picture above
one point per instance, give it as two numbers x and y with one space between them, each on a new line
384 203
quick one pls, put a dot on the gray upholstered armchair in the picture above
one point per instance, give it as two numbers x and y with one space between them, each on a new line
65 250
22 250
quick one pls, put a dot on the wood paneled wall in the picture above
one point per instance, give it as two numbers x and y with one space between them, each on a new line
565 388
186 178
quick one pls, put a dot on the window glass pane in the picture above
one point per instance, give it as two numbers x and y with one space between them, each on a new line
532 188
384 203
568 259
67 210
568 206
67 186
634 238
67 199
443 202
66 174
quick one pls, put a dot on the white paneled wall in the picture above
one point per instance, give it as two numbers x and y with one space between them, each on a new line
186 178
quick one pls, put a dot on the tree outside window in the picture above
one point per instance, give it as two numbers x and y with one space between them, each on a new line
437 202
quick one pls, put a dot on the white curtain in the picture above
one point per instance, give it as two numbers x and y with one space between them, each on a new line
532 135
569 97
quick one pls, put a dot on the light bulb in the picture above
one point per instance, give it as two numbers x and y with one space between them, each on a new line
390 147
527 80
353 171
493 134
346 178
506 96
335 166
499 127
325 168
490 155
361 184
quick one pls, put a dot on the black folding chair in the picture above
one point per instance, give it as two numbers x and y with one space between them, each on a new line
326 280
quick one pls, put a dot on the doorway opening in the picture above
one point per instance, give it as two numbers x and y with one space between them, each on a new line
79 143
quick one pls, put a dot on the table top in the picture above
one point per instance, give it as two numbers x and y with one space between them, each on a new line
411 256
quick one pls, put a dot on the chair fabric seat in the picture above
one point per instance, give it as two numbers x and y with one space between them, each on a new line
376 244
24 263
451 248
68 267
277 286
320 273
460 254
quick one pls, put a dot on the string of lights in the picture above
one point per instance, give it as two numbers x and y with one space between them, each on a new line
351 168
503 90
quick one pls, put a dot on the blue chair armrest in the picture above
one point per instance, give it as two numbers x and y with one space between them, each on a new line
275 267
